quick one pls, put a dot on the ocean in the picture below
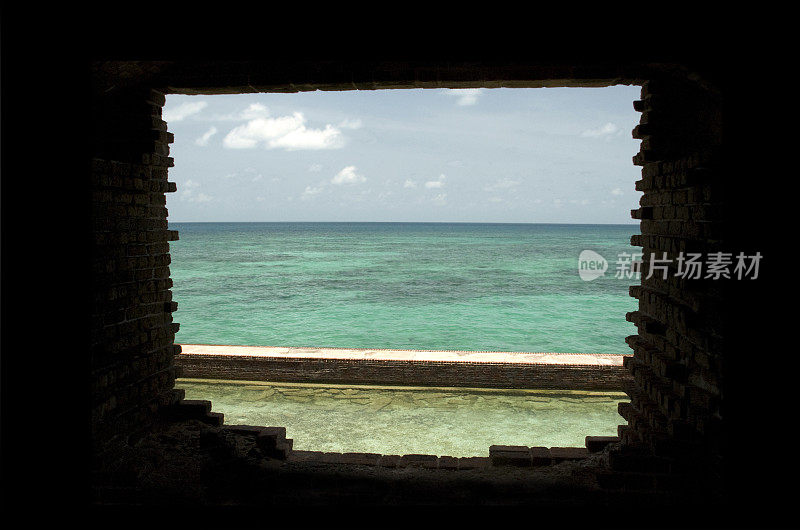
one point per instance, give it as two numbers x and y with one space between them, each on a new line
424 286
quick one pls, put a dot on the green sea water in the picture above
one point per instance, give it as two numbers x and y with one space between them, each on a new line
495 287
403 420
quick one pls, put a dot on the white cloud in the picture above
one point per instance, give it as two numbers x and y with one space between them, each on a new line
616 191
440 199
189 192
254 111
287 132
314 168
351 124
606 130
310 192
410 184
348 175
502 184
302 138
203 140
183 111
466 96
436 184
262 130
190 185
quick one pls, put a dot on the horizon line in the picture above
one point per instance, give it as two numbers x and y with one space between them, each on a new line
409 222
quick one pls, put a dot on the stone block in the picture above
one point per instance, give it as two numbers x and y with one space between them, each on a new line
248 430
540 456
561 454
187 409
281 451
364 459
426 461
270 437
178 394
473 462
448 462
305 456
389 460
331 458
214 418
510 455
595 444
196 407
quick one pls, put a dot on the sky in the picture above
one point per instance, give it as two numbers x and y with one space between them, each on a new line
504 155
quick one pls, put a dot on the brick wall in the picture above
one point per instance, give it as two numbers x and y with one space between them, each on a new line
132 332
675 415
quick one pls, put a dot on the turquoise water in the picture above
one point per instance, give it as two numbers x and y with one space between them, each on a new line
496 287
440 421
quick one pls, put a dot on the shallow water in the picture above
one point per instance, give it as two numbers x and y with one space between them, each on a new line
405 420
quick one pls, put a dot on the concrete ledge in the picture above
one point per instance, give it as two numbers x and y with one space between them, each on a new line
562 371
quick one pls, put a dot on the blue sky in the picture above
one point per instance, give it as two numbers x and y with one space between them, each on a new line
539 155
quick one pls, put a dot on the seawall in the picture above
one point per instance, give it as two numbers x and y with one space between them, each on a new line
564 371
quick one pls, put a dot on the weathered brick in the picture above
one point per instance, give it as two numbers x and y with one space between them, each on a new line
560 454
426 461
510 455
595 444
